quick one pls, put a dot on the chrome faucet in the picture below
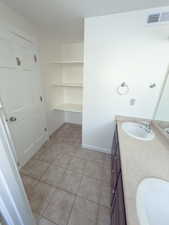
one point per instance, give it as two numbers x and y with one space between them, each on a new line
147 125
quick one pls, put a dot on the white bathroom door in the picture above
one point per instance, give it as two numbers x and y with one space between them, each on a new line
20 92
14 205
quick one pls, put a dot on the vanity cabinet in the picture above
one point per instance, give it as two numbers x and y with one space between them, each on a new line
118 215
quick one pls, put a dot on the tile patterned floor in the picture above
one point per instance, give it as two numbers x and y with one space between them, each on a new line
68 185
2 222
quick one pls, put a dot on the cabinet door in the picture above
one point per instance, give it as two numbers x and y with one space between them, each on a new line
117 200
118 207
114 186
120 200
115 215
115 164
114 142
115 153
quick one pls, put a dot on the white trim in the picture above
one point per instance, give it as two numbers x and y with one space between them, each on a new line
4 211
96 148
18 32
1 104
21 33
160 95
12 193
10 198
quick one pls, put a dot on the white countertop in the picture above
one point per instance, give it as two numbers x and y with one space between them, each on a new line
139 160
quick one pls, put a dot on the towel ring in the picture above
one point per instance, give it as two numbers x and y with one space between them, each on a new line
123 89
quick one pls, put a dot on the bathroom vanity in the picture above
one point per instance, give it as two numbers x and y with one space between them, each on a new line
118 215
135 164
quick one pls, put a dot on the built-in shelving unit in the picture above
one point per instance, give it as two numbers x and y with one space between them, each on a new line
65 82
69 107
66 62
78 85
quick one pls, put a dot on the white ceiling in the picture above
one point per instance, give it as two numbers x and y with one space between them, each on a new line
64 18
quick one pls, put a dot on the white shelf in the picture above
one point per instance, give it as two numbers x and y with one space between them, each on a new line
69 107
66 62
78 85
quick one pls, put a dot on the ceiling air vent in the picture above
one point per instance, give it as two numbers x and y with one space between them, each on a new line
153 18
164 17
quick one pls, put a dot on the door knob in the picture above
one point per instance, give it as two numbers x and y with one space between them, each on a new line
12 119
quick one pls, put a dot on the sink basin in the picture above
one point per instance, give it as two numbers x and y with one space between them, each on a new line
138 131
152 202
166 130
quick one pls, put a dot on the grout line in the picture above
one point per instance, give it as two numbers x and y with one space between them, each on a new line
71 210
57 187
53 141
97 220
46 218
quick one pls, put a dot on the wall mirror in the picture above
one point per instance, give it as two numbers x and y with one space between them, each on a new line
162 111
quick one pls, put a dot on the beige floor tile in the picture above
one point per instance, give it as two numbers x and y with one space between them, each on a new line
80 218
54 176
90 189
69 148
107 164
107 156
40 197
77 165
28 183
35 168
94 169
49 156
71 141
60 207
59 140
106 176
94 155
57 147
63 160
81 176
44 221
48 143
83 153
90 155
104 216
71 182
37 218
40 152
60 147
60 155
88 208
65 148
105 197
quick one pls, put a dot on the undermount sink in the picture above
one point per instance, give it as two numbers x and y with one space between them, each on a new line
138 131
152 202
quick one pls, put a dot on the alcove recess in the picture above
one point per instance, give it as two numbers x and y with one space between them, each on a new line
66 82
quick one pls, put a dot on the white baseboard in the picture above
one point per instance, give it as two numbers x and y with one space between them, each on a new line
96 148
